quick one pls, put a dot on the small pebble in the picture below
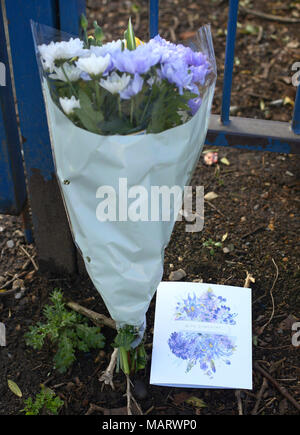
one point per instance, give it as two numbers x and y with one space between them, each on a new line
177 275
19 295
10 244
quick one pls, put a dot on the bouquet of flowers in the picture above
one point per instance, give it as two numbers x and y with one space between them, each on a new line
124 116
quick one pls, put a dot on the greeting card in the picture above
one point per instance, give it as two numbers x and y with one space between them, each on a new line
202 336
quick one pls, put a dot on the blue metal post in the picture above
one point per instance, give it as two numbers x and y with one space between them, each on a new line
12 179
51 230
69 15
153 14
296 117
229 60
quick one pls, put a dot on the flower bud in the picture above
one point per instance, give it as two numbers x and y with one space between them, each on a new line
83 22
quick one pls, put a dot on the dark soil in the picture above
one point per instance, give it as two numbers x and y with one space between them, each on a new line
257 207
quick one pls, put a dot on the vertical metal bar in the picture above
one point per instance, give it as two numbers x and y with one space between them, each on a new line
12 179
153 14
51 230
229 60
69 15
296 116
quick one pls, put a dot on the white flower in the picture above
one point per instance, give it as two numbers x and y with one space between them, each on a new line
114 83
68 70
109 47
94 65
59 50
69 104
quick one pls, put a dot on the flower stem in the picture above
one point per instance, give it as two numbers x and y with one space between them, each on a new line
124 361
119 106
97 94
69 82
131 110
146 108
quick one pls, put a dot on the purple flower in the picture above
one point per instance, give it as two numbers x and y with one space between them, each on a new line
138 61
195 58
204 349
133 88
178 74
199 74
207 307
194 104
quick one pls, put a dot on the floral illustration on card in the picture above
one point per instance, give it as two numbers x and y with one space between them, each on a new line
205 308
203 348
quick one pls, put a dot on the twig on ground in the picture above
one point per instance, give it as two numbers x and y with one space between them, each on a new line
26 264
149 410
108 374
260 227
239 400
279 387
261 330
130 398
97 318
270 17
128 395
215 208
14 278
263 388
269 403
249 278
30 257
94 408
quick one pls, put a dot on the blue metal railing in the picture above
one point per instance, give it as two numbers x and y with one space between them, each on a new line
153 17
12 179
229 60
296 117
283 141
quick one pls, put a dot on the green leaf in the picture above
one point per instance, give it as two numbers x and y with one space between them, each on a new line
116 126
89 117
90 337
195 401
14 388
125 337
67 330
99 35
36 336
83 22
44 401
225 161
65 355
141 357
130 37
